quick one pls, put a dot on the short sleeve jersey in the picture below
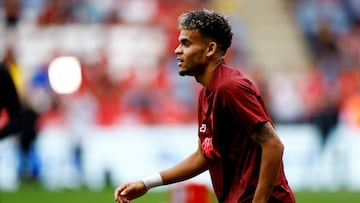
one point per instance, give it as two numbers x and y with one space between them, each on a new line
229 108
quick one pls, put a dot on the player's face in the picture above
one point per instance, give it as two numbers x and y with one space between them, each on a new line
191 53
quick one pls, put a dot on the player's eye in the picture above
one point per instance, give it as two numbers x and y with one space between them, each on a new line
185 43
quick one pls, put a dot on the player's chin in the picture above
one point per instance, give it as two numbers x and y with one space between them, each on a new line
183 72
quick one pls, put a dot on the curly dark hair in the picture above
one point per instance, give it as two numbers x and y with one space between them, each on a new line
210 24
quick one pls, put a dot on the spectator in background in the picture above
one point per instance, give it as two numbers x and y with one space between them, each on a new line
349 46
12 10
85 11
313 14
56 12
353 9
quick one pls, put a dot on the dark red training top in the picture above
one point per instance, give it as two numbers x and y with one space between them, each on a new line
229 109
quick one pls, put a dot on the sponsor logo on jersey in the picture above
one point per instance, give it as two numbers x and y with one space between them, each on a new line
203 128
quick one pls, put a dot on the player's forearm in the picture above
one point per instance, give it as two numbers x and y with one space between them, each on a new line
188 168
269 170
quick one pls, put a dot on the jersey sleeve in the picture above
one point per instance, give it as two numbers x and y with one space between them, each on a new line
245 104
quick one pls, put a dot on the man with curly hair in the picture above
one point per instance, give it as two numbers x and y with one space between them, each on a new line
237 140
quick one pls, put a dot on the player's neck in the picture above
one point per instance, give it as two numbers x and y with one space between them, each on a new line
205 78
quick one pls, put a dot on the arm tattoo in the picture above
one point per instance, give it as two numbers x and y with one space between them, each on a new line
262 132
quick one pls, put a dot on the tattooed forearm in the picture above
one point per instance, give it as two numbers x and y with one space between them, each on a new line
262 132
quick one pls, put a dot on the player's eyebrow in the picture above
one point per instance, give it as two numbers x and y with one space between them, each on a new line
184 41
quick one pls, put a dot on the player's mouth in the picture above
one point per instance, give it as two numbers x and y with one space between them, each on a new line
180 61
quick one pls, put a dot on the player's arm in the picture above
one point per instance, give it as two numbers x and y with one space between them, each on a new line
271 156
188 168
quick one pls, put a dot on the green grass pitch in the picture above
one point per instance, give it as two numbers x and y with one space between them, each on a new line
36 194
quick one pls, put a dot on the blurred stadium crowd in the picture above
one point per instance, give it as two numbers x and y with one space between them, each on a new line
332 32
129 71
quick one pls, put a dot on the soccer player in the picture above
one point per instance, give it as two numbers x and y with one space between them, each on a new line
9 100
237 140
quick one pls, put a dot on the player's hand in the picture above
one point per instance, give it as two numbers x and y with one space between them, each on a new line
128 191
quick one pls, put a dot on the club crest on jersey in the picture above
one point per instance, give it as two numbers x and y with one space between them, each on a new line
203 128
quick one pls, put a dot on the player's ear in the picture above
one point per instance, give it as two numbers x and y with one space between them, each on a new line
212 46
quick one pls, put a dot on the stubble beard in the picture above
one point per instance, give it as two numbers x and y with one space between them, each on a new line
194 71
182 73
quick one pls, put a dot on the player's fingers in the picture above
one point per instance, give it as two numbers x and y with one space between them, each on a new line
123 200
116 194
118 191
126 190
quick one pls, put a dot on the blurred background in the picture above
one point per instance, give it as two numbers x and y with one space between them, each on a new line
103 102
